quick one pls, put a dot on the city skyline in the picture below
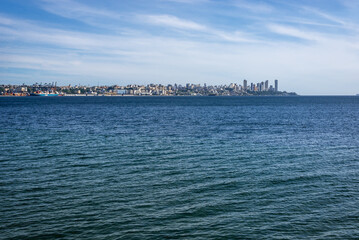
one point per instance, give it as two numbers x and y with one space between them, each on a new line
189 89
310 46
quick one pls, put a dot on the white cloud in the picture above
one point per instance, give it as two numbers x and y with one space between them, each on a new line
172 21
294 32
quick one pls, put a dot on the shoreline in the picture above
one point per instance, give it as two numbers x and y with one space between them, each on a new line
84 95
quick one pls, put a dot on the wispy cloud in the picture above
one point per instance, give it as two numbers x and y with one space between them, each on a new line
23 31
343 23
172 21
324 15
350 5
254 6
294 32
178 23
81 12
309 22
236 37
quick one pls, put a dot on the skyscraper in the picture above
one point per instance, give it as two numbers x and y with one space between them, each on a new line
266 85
276 85
245 85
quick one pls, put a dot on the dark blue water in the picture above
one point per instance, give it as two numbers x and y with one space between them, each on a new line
179 168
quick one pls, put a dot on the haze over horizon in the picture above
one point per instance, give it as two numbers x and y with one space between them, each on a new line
312 48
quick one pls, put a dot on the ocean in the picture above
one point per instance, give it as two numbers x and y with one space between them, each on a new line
179 167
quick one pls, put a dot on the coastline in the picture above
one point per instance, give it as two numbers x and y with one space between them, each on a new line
104 95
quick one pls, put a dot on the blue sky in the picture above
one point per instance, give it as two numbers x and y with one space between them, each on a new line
310 46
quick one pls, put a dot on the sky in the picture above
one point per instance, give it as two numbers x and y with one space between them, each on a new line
310 46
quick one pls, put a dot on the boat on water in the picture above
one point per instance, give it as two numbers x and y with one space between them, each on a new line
44 94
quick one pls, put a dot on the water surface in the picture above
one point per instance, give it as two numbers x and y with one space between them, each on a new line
179 168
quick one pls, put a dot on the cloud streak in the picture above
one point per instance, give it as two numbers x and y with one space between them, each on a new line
294 32
72 9
174 22
80 12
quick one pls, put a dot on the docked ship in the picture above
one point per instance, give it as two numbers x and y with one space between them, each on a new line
44 94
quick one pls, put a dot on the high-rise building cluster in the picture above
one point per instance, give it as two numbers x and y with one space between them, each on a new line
260 87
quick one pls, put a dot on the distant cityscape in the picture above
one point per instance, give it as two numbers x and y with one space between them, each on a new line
233 89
